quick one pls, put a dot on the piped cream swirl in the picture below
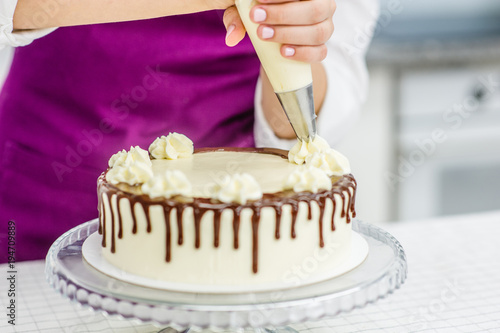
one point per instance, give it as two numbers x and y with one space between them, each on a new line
330 161
302 149
308 178
167 184
239 187
172 147
131 167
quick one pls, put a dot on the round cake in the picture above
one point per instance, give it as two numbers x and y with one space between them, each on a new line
226 216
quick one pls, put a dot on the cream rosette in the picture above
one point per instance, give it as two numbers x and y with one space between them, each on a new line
308 178
132 167
172 147
167 185
330 161
302 149
238 188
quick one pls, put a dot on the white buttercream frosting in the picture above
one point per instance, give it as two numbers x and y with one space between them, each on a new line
308 178
239 187
118 158
167 184
134 155
131 167
330 161
172 147
302 149
134 174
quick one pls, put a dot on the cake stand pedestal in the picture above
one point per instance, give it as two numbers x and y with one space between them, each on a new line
383 271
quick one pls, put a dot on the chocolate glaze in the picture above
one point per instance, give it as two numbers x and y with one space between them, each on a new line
333 213
120 223
168 236
134 220
180 238
217 215
236 230
295 209
342 186
113 245
321 204
278 223
255 240
102 217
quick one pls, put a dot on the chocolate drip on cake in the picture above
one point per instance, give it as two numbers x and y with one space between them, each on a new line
166 213
342 212
295 210
217 215
113 242
197 221
321 204
342 186
236 230
148 216
255 240
100 209
102 217
333 214
120 223
180 237
134 219
278 222
352 185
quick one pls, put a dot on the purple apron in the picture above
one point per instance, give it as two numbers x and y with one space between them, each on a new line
80 94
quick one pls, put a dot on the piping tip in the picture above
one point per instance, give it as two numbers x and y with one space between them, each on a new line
299 109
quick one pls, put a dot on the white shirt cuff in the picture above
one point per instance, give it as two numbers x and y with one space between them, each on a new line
20 38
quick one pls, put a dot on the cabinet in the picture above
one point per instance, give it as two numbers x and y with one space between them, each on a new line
428 141
457 171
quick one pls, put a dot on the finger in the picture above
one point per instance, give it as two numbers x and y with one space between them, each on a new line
294 13
234 26
297 35
309 54
276 1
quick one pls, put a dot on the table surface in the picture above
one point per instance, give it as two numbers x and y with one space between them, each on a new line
453 285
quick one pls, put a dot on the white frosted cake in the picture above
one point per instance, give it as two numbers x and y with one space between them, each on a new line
226 216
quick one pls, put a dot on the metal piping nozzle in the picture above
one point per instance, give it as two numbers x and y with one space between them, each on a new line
299 108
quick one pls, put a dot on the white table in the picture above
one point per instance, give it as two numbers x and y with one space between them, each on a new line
453 286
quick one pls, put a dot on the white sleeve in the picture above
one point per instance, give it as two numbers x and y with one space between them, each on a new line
21 38
345 66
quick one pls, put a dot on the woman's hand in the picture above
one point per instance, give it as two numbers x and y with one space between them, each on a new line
302 27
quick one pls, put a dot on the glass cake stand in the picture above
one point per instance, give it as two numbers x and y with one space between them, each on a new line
382 272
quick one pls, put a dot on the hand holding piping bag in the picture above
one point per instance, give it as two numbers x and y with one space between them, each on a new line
288 37
301 27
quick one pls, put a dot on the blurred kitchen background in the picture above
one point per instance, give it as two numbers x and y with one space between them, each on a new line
428 140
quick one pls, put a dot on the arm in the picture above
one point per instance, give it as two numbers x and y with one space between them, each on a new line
36 14
22 21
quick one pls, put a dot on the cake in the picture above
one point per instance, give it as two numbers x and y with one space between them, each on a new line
226 216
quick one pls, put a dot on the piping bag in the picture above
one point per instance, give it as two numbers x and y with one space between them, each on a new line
290 79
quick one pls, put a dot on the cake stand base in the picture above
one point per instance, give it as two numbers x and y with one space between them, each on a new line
241 330
382 272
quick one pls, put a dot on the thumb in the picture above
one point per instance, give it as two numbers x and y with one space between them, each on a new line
234 26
